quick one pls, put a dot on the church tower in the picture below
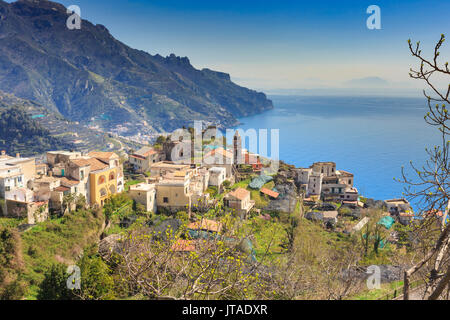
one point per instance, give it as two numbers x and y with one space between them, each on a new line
237 147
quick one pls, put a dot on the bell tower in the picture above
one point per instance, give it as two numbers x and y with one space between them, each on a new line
237 147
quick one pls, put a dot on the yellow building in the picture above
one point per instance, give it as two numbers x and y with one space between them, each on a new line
103 182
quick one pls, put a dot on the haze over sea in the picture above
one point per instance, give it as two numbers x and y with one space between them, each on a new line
371 137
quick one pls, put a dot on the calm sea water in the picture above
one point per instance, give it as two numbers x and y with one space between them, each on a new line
370 137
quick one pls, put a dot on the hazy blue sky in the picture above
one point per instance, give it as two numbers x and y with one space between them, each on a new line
278 44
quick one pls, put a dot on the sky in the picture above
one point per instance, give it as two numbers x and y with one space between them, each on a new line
279 45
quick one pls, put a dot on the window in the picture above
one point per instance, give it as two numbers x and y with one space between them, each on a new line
350 181
82 175
166 200
76 190
101 180
111 176
7 188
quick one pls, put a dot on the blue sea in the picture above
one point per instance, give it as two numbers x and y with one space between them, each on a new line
371 137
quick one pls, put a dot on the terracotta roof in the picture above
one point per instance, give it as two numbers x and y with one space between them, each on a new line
80 162
184 246
94 163
205 224
69 182
240 193
97 164
145 152
103 155
345 173
62 189
270 193
40 203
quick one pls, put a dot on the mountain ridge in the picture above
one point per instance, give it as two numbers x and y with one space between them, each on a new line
88 75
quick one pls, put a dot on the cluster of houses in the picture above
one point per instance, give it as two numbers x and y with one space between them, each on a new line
322 181
30 190
173 187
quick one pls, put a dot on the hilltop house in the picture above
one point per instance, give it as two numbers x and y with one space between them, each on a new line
400 209
16 175
173 193
96 176
162 168
310 181
217 176
322 180
145 194
144 158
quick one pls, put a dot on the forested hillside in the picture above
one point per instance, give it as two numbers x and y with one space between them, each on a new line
21 134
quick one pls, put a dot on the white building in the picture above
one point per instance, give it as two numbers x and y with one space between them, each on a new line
11 178
217 175
144 194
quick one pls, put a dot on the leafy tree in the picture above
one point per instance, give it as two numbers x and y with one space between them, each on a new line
11 265
96 280
54 286
160 140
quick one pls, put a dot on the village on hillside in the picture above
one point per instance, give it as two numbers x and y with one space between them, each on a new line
150 189
232 178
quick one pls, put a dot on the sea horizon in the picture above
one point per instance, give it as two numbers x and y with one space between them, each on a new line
371 136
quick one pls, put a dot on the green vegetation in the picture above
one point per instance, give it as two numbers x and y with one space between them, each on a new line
131 183
57 241
20 134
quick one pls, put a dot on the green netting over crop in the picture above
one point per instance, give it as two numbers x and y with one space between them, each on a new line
387 222
259 182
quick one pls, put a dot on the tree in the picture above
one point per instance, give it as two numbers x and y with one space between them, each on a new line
96 280
179 267
68 201
11 265
160 140
54 286
431 184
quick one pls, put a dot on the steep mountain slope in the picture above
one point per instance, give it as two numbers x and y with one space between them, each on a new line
21 134
84 74
54 131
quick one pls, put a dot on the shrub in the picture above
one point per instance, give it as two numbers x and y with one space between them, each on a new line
54 286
